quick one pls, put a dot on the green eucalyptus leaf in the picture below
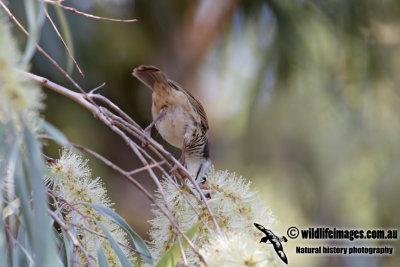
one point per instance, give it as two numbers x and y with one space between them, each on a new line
23 255
173 254
69 248
137 240
35 18
30 47
3 246
58 136
41 5
13 159
8 142
22 191
60 247
101 257
67 36
120 254
43 242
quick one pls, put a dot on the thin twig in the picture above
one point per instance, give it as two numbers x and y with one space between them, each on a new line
157 164
116 168
152 143
127 127
10 235
39 48
115 108
99 113
62 40
49 159
128 175
77 97
170 216
103 236
122 172
97 88
71 236
74 10
66 203
185 262
119 170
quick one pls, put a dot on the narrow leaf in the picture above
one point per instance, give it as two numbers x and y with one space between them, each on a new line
21 190
60 247
22 255
137 240
58 136
69 248
34 15
173 254
43 243
120 254
7 141
10 163
101 257
67 36
3 245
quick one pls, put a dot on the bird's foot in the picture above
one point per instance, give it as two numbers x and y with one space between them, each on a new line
174 170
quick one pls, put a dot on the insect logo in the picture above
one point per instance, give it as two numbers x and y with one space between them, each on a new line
271 238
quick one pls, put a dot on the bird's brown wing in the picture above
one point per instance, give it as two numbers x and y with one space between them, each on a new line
149 75
195 103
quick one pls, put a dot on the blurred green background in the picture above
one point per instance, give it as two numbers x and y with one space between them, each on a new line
302 97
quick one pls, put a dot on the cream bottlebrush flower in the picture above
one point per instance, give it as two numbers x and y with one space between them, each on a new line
70 179
237 250
233 204
17 93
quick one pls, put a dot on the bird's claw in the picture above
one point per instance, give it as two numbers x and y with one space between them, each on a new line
174 170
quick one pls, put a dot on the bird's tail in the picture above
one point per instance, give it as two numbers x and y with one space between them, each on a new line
149 75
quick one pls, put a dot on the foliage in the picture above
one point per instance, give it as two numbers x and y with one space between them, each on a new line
235 207
300 95
33 231
56 214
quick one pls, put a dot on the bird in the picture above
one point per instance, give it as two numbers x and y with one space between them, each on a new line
274 240
180 119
